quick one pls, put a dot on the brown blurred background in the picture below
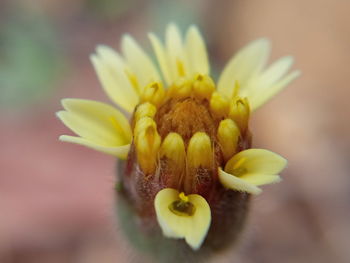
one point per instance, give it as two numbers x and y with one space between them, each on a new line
56 199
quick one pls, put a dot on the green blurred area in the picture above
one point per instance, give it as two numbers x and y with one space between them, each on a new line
35 49
31 60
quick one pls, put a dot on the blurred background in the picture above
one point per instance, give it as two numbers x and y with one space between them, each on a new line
56 199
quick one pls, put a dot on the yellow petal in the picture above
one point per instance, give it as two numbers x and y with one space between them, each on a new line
196 52
235 183
96 122
193 228
139 62
175 52
110 69
261 179
162 57
264 95
261 88
246 64
118 151
257 161
276 71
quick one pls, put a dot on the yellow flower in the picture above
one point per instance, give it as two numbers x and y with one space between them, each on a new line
182 216
251 168
184 127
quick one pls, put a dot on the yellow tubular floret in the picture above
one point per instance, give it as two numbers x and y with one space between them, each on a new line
154 93
181 88
228 135
199 151
240 112
100 126
219 105
251 168
173 148
203 86
172 153
181 216
146 109
147 146
142 124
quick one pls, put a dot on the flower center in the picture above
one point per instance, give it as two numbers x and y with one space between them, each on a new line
182 207
186 117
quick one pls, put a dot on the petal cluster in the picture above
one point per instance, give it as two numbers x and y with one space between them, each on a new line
185 128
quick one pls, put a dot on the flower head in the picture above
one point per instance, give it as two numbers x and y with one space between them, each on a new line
188 141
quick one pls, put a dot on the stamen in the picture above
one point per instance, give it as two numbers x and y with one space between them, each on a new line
182 207
183 197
